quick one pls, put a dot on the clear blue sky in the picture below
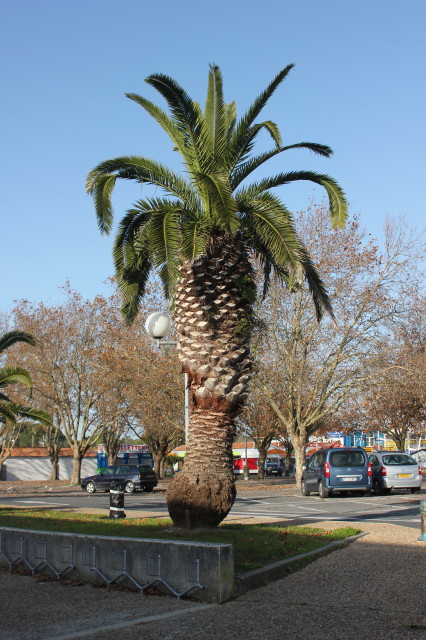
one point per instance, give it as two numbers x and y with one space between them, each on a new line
358 86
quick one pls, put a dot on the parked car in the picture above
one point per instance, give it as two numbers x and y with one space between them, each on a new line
273 469
420 457
132 476
394 470
344 469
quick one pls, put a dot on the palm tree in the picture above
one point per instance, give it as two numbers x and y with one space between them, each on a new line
203 235
11 411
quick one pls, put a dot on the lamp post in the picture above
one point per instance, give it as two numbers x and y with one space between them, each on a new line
157 326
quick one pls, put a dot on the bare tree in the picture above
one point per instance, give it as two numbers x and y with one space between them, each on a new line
316 367
70 342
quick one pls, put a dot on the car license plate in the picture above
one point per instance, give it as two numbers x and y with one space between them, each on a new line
403 475
349 479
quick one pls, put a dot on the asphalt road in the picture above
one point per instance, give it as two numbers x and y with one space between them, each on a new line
400 508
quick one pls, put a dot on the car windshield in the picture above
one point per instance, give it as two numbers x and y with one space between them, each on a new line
398 459
107 472
347 459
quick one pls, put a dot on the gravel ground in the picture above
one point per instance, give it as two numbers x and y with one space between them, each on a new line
374 587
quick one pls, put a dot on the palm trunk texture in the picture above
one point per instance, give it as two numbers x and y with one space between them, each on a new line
214 321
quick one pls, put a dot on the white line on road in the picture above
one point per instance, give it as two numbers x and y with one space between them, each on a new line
62 504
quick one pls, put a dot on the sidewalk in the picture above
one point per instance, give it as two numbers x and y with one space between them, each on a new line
373 588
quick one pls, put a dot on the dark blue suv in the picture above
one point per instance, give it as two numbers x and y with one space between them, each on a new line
344 469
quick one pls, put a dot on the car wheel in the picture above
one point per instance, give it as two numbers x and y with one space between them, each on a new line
387 492
324 493
148 489
129 487
90 487
415 490
305 490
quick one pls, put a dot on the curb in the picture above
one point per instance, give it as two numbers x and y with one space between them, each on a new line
251 579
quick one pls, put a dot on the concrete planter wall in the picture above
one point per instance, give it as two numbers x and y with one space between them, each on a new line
204 571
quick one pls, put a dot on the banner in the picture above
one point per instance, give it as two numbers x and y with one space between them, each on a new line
127 448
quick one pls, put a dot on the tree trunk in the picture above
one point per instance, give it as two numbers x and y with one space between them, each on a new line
157 462
54 468
214 322
399 439
261 463
76 471
53 453
203 493
112 458
299 444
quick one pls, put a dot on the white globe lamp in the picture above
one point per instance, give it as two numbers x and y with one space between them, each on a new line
158 325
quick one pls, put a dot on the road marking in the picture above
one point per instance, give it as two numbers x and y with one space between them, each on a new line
63 504
305 508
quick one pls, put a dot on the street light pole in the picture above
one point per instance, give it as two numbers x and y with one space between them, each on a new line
157 326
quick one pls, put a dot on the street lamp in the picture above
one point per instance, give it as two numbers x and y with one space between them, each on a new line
157 326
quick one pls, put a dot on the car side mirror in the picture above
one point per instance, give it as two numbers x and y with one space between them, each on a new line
304 467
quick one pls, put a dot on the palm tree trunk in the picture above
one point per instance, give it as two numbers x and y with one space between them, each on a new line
214 322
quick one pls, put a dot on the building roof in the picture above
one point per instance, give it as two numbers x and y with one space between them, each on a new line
41 452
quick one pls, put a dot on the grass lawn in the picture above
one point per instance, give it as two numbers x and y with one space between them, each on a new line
254 545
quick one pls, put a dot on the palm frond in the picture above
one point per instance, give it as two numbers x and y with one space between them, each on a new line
101 181
231 119
185 114
165 240
240 151
337 199
22 411
220 203
163 120
269 220
102 191
14 375
11 337
6 413
245 169
132 286
180 104
194 238
267 217
247 120
215 115
316 286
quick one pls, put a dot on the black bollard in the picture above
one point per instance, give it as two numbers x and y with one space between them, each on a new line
116 501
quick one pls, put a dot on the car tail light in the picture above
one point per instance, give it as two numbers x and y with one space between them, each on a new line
420 470
326 470
383 471
369 470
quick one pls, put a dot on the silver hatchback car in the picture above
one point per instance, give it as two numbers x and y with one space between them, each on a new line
394 470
